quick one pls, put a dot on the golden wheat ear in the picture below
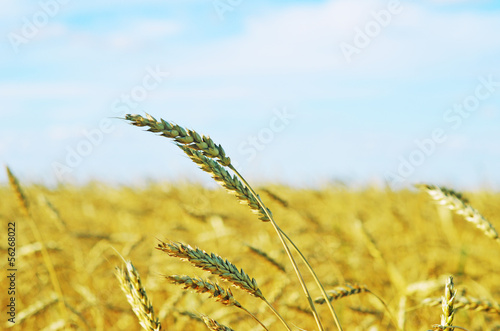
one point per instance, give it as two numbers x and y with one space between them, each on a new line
457 203
448 301
137 297
214 325
466 303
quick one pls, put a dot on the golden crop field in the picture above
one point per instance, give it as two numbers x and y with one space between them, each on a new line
384 257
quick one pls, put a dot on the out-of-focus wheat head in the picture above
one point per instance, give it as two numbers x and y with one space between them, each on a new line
455 202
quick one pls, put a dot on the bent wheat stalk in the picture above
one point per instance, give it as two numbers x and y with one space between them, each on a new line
201 150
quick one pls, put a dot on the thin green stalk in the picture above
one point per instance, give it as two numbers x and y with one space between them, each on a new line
318 282
277 314
287 249
258 321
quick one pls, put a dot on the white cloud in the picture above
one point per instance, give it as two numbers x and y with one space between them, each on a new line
306 38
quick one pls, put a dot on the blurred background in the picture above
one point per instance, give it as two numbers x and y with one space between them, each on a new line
304 93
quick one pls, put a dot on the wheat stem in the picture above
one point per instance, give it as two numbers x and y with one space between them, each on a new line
24 202
288 252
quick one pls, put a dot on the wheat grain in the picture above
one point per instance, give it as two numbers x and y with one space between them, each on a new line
131 285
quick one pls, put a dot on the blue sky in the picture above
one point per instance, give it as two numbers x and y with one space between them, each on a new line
298 92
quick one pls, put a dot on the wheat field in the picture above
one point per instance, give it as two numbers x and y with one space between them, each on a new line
180 256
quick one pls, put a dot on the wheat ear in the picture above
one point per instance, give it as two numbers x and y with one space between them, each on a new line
204 286
213 264
210 150
131 285
188 138
224 178
342 291
467 303
214 325
216 265
447 305
454 201
224 296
